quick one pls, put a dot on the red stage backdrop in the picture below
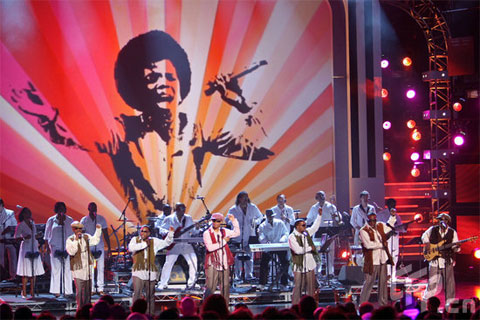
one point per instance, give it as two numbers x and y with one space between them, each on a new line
161 101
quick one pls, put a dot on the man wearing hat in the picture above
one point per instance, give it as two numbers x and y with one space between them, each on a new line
376 256
219 258
144 271
440 269
304 257
359 218
81 260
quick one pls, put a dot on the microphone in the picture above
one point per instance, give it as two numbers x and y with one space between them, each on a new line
443 224
199 197
131 199
19 206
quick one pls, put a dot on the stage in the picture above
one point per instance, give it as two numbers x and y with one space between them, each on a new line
243 293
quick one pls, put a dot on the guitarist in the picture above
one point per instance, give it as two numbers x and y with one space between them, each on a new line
179 220
440 269
393 241
373 238
7 230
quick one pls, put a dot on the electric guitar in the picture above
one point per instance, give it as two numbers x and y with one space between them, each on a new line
394 231
181 230
431 251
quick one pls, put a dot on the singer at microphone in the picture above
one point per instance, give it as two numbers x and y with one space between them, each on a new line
219 258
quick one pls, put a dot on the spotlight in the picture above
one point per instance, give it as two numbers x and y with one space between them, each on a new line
410 93
416 135
387 125
384 93
415 172
459 139
476 253
345 254
407 62
418 217
457 106
415 156
411 124
384 63
387 156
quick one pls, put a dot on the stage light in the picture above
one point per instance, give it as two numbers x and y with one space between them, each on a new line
415 172
384 63
411 124
387 156
407 62
476 253
387 125
418 217
345 254
415 156
416 135
410 93
457 106
384 93
459 139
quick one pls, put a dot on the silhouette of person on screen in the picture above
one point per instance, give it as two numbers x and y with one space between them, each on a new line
153 76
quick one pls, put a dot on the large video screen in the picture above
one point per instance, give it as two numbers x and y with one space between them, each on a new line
153 102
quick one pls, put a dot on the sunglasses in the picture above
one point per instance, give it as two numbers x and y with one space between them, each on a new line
302 225
217 220
77 228
144 231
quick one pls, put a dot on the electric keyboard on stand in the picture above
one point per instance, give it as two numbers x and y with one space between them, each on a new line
272 247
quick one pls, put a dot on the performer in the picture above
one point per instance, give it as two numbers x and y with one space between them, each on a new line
440 269
7 230
29 261
376 256
327 218
98 251
219 258
57 231
394 240
273 230
166 211
304 257
144 272
358 220
81 260
284 212
179 220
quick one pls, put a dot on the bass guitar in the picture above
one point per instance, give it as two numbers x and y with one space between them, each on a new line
431 251
181 230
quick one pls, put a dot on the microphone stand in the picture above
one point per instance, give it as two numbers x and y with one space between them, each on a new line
302 278
95 270
123 217
32 283
62 271
149 307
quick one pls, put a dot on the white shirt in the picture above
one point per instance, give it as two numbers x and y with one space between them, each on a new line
207 239
328 211
440 262
379 256
286 212
7 219
53 233
247 222
309 261
158 244
90 227
273 233
72 248
359 217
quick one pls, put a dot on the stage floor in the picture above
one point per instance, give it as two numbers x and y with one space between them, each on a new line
255 299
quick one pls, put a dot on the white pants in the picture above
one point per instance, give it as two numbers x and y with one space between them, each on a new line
393 243
55 275
12 258
247 263
186 250
99 281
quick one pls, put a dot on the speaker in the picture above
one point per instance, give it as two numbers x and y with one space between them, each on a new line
351 275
